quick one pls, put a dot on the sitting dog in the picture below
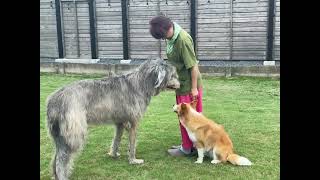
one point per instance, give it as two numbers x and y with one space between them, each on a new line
208 136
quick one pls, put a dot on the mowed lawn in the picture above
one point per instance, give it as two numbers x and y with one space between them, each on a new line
249 109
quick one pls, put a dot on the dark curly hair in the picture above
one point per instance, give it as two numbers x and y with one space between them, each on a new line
159 26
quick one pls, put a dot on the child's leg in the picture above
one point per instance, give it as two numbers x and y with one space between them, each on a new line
186 142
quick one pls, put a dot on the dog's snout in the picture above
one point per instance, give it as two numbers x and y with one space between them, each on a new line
174 108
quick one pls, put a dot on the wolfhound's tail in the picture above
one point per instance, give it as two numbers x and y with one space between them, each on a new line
68 132
68 125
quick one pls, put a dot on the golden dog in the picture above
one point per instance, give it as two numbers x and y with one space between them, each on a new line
208 136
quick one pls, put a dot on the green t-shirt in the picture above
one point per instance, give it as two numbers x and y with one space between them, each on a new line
183 58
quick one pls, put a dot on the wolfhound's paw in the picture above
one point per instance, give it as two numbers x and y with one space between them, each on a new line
136 161
215 161
114 155
199 161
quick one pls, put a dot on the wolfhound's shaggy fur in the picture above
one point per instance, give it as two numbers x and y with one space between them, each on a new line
121 100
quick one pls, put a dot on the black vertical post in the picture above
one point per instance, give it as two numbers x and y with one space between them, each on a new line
231 31
193 23
125 29
93 30
59 29
271 13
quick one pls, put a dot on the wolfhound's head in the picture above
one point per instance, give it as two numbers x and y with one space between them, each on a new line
160 74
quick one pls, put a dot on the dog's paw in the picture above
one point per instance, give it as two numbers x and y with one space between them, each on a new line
136 161
114 155
215 161
198 161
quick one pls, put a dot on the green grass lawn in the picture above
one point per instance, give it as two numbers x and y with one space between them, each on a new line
247 107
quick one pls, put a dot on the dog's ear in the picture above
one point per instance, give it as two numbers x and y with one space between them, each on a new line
161 74
183 107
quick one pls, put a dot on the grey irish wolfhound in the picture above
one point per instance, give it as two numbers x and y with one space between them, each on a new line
121 100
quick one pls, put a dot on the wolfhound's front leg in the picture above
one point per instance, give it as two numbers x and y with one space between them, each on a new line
114 149
132 145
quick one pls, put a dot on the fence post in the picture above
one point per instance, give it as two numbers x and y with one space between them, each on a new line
93 30
193 24
271 14
59 29
231 31
125 29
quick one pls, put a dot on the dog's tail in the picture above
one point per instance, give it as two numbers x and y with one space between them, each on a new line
238 160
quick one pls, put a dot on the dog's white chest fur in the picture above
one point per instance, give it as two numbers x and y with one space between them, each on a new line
191 135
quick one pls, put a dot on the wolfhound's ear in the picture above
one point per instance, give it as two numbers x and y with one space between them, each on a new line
144 64
161 75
